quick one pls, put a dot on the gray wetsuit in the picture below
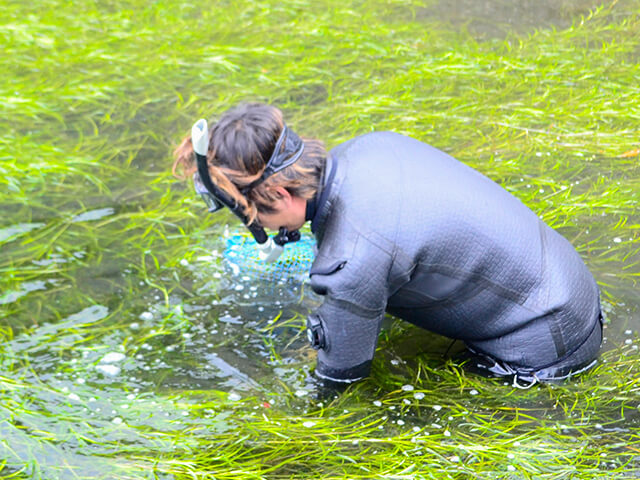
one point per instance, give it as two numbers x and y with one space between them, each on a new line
404 228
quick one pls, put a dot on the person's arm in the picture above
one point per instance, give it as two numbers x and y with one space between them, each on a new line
344 329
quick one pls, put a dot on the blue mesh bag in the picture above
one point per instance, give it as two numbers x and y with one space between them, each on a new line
241 257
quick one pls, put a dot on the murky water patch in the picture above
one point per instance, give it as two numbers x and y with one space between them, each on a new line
223 346
499 18
115 421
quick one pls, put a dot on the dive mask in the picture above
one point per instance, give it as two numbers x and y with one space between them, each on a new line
213 204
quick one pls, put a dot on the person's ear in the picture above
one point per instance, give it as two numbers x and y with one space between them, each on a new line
283 195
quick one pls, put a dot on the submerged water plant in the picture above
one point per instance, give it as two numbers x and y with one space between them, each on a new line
129 349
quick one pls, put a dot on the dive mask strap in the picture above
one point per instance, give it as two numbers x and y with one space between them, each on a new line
288 149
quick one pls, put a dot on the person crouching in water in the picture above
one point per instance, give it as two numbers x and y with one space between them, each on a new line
404 228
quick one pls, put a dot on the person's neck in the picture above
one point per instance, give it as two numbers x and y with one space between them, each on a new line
312 206
315 205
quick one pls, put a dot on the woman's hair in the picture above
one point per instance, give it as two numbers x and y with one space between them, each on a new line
240 145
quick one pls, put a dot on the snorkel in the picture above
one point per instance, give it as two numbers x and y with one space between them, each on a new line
269 248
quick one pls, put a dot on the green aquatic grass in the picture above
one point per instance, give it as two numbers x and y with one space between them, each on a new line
103 252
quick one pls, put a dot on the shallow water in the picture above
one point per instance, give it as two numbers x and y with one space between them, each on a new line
129 346
500 18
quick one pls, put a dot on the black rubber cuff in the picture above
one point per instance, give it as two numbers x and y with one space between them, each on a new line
343 375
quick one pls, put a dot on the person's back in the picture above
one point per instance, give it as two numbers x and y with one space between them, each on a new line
438 244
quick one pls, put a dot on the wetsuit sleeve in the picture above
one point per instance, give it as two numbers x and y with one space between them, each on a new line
344 329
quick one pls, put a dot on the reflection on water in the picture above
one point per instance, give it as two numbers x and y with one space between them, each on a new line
92 215
11 232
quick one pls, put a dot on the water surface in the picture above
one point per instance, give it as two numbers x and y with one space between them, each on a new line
130 348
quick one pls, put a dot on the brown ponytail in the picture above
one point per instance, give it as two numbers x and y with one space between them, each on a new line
240 144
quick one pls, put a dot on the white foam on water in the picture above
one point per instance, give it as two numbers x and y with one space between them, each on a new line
113 357
111 370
